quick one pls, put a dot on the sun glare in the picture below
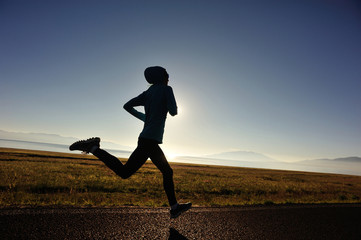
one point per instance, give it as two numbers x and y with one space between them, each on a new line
171 156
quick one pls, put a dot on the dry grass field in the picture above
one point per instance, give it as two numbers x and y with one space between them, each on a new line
37 178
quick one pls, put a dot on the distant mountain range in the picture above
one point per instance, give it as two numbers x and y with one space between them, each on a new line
347 165
37 137
52 138
350 166
348 159
242 156
345 160
246 156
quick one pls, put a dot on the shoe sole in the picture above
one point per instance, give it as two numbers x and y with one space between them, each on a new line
73 147
182 211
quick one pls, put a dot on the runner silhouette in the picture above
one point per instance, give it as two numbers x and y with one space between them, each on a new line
158 100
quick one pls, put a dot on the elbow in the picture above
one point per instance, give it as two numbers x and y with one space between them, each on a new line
126 107
173 113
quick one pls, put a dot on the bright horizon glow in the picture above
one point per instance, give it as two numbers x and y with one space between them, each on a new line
171 156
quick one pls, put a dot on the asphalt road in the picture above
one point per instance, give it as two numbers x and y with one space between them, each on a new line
266 222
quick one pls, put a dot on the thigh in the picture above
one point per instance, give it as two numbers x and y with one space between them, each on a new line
136 159
160 161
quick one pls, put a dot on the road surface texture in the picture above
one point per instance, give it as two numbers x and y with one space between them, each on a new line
259 222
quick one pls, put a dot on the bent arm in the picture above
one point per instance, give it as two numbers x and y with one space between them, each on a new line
171 103
129 107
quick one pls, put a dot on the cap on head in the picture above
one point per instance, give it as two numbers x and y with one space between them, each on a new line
155 74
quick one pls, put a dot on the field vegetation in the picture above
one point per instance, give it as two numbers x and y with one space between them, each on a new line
36 178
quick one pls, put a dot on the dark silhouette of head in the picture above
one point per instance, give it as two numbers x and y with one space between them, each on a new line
155 75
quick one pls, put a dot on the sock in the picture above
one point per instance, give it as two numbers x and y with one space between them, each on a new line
93 149
174 206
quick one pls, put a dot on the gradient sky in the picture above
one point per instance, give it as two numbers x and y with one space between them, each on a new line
281 78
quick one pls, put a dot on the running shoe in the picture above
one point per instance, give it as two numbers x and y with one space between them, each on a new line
85 145
180 209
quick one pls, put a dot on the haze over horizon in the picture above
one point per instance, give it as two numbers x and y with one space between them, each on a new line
245 159
278 78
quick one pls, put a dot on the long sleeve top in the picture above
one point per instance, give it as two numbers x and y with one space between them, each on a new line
158 100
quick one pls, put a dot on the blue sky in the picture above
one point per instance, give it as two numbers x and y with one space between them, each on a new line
281 78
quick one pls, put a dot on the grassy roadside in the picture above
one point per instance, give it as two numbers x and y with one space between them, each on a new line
36 178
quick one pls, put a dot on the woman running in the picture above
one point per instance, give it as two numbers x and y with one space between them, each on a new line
158 100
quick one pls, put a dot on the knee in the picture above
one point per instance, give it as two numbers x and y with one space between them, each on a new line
124 175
